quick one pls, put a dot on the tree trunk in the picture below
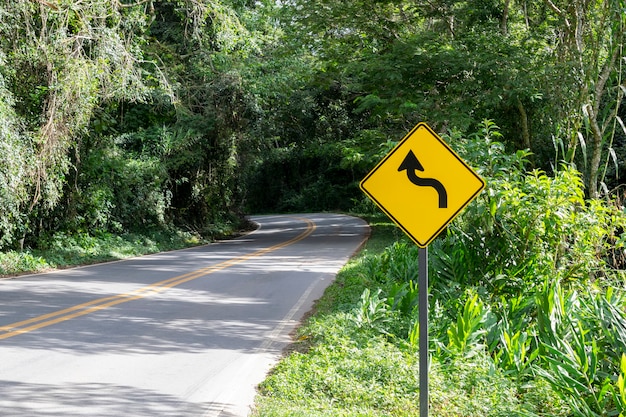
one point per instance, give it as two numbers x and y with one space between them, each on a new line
524 122
505 18
596 154
593 112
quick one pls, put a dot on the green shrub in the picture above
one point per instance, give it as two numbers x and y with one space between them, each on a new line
526 226
12 262
119 192
539 255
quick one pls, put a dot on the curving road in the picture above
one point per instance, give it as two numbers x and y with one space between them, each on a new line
183 333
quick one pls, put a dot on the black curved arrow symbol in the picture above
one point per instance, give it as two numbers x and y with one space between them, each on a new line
412 164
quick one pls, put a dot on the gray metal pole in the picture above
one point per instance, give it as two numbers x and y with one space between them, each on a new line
423 318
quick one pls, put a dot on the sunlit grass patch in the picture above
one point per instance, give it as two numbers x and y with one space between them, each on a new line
64 250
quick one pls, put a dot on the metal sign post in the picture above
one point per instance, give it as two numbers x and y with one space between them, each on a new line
422 185
423 320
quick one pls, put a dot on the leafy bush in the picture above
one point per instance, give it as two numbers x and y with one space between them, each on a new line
539 255
118 192
526 226
582 340
12 262
372 311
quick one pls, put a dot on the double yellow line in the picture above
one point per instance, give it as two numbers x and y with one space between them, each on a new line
79 310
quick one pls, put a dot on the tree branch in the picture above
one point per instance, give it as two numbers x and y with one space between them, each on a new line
558 11
47 3
554 8
609 66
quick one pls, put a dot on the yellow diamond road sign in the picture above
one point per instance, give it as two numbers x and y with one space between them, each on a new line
422 184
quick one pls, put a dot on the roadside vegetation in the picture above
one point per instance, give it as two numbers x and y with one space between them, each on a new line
62 250
527 310
131 126
125 117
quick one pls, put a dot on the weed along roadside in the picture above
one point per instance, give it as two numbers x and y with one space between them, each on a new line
526 309
63 250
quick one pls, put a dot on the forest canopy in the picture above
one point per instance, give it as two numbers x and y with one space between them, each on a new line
134 114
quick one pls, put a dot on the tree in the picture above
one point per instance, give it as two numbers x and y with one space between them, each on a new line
126 85
542 69
65 58
591 37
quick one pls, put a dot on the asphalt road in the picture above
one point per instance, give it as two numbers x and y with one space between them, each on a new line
183 333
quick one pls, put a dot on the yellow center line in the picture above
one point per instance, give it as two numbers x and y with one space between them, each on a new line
83 309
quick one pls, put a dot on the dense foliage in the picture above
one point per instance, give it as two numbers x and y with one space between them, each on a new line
130 124
119 116
124 115
549 73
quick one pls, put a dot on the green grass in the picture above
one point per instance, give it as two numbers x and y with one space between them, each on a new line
65 250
